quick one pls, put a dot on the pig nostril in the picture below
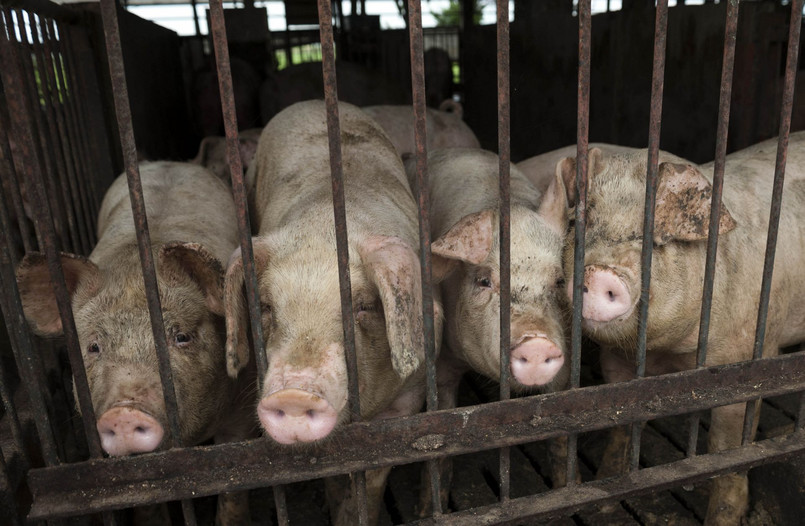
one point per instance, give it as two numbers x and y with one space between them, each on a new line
585 289
310 413
139 429
611 295
280 413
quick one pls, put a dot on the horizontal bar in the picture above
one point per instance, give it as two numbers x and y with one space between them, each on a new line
61 491
568 500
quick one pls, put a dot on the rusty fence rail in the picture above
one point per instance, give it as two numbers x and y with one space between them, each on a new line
47 152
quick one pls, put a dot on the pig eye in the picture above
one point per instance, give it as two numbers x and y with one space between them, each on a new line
182 339
560 282
484 282
93 348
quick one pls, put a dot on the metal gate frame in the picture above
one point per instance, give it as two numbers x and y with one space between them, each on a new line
62 489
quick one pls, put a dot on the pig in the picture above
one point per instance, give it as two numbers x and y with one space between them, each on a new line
463 186
356 84
212 152
303 398
541 169
445 129
612 277
193 228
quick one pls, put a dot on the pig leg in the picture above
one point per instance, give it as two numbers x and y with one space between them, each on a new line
233 509
557 449
449 371
153 514
615 367
343 504
729 494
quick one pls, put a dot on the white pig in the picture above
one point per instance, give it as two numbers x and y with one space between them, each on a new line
445 128
304 395
612 277
192 224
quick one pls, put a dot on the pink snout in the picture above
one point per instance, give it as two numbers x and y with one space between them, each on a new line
125 430
294 415
536 361
606 295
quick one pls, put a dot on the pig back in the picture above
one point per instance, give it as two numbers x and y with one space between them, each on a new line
292 174
183 202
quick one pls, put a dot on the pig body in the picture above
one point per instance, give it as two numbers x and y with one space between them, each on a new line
192 225
445 129
612 278
463 186
304 395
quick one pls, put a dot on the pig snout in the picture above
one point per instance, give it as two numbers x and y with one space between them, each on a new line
606 296
535 361
125 430
296 415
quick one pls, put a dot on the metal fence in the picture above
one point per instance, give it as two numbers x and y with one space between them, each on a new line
50 155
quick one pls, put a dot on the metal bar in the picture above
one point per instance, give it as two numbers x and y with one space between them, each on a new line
209 470
722 132
282 507
86 183
421 191
8 403
342 246
566 501
792 59
7 497
8 174
504 167
123 112
652 167
32 172
582 138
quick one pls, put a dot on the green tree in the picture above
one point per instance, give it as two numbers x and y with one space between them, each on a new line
451 15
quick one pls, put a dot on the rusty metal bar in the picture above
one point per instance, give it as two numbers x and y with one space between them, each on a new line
7 498
199 471
123 112
422 194
652 167
791 65
32 171
342 245
582 144
566 501
504 167
8 402
8 174
722 132
86 207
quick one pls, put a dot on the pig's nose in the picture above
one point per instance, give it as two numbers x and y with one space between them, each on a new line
125 430
536 361
295 415
606 295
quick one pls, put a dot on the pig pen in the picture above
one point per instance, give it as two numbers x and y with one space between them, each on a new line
56 164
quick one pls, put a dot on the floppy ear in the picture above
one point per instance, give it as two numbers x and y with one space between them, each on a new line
236 309
468 240
682 210
202 267
36 289
566 170
554 206
207 144
393 266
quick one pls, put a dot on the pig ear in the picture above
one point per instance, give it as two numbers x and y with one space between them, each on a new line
468 240
207 143
202 267
554 205
393 266
566 170
683 204
36 289
248 149
236 309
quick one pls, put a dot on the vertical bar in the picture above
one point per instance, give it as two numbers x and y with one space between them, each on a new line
12 184
8 403
582 138
339 211
421 191
7 498
282 507
22 128
504 167
792 59
722 132
652 167
123 113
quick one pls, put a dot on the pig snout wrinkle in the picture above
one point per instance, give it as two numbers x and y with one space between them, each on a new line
606 296
125 430
290 416
536 361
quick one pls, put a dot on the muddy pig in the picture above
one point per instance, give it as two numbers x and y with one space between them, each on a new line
612 278
212 152
304 395
192 223
445 129
465 212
